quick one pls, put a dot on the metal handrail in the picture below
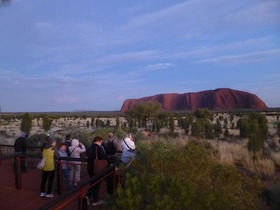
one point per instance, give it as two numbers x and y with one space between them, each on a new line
80 191
19 157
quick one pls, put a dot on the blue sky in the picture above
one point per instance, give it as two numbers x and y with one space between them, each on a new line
92 55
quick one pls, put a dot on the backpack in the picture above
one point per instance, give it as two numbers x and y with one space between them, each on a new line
111 149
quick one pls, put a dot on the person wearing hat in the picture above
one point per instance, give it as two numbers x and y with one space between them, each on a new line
49 152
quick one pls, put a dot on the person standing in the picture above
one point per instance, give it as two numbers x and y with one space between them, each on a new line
110 146
128 149
68 142
62 151
75 166
20 147
48 171
96 151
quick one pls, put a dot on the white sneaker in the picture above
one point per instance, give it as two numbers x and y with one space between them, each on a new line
97 203
100 202
88 202
49 195
42 194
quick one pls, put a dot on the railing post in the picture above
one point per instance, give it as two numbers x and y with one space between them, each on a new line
82 201
1 157
18 172
59 179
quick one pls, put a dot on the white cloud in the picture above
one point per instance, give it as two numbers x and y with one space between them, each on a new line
244 58
197 18
160 66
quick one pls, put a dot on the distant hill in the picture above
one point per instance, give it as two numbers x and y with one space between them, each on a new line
218 99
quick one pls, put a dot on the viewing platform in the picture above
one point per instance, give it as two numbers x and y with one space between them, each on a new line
23 192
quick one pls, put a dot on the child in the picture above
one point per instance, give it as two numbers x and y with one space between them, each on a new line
62 151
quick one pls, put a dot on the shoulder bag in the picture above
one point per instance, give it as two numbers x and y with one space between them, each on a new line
129 149
42 162
99 165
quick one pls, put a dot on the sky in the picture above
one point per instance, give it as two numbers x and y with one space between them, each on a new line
93 54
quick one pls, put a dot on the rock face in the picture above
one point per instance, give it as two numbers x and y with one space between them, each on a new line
219 99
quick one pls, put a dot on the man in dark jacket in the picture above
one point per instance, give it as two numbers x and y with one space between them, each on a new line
20 146
68 142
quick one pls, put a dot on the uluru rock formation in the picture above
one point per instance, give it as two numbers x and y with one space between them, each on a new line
219 99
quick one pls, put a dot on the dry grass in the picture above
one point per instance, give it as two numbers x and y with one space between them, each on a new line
276 157
232 153
264 167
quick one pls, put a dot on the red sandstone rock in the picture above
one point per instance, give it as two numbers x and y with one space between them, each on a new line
219 99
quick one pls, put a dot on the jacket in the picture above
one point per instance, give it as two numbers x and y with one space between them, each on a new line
91 153
75 150
48 153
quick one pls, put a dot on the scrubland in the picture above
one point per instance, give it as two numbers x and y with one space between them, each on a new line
187 173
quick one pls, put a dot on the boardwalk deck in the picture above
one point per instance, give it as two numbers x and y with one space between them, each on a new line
28 197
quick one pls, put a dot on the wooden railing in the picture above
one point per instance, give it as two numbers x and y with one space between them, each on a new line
7 151
65 198
85 188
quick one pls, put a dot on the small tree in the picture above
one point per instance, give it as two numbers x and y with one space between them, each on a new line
202 126
254 127
99 123
108 123
26 123
47 122
92 122
217 129
143 113
197 128
185 123
171 124
118 122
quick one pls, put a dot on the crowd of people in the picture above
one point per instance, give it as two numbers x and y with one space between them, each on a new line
100 150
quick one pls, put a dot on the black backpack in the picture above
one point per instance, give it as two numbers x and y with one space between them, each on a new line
111 148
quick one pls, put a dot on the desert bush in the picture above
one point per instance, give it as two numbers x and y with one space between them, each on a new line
36 140
119 133
141 135
102 132
165 176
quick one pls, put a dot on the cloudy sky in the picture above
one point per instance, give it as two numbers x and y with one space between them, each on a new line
93 54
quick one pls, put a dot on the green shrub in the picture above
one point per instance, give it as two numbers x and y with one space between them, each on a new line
119 133
36 140
165 176
26 123
103 132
